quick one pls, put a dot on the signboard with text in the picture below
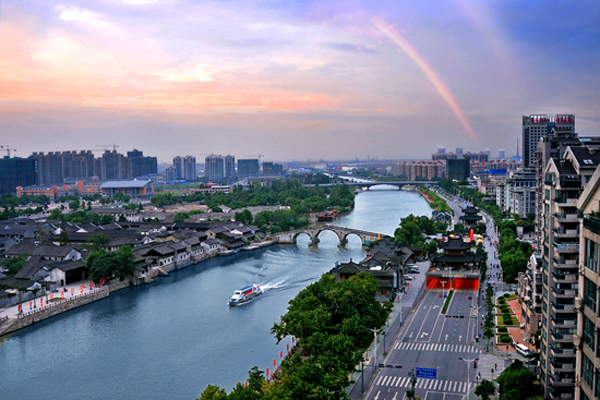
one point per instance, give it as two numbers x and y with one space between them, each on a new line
429 373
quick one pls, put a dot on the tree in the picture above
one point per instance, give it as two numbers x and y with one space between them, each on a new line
485 389
14 264
244 217
97 241
213 393
74 205
516 382
121 197
55 214
63 237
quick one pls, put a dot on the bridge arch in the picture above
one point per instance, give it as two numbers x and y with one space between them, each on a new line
307 233
344 239
398 186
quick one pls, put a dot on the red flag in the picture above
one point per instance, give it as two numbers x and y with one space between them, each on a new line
41 302
281 354
275 362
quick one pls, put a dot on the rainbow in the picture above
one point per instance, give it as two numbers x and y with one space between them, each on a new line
429 72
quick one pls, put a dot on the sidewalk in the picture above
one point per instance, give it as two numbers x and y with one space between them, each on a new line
43 300
403 305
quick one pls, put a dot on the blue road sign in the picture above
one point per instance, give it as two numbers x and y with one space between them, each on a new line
429 373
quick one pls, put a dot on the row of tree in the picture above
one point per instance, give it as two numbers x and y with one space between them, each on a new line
412 230
331 321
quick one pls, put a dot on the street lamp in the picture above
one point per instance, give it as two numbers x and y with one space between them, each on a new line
443 286
374 330
468 361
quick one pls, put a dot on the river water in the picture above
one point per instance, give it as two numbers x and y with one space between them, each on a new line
169 340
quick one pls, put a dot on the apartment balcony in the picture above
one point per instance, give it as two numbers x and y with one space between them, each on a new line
558 307
566 293
566 233
563 322
565 202
562 337
561 217
559 352
559 381
566 247
591 223
560 262
556 368
564 278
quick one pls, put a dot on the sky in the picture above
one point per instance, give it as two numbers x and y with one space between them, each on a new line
293 80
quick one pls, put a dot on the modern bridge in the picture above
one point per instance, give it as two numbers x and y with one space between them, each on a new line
341 232
369 185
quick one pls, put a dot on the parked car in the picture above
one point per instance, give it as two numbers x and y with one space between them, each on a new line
407 278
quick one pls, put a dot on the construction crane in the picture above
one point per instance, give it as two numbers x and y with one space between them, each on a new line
107 146
8 150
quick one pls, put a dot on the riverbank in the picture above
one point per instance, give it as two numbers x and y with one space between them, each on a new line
15 318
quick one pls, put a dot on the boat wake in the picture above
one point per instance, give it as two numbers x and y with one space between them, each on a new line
275 284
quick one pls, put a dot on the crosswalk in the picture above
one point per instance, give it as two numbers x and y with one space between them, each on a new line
423 346
426 384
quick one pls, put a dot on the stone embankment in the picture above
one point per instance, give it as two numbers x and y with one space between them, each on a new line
11 324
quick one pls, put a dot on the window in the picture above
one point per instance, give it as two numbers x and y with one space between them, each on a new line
589 294
597 384
588 332
591 255
587 371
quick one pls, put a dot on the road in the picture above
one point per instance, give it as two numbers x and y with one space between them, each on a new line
446 343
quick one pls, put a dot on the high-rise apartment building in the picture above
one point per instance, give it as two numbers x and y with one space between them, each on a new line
142 165
178 165
16 172
413 170
536 126
587 339
458 169
564 180
170 174
214 168
56 166
272 169
247 167
189 168
501 154
229 166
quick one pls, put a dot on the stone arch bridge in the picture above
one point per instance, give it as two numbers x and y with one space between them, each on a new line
341 232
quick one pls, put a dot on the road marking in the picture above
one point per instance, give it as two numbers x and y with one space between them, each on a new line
393 380
446 338
377 395
459 338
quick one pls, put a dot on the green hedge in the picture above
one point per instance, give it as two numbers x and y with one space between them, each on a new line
502 329
505 339
447 302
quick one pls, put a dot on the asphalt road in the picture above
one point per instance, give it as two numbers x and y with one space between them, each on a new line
446 343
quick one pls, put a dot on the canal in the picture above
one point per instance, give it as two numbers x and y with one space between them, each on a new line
169 340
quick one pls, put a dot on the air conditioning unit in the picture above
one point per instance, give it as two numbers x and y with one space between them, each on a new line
577 340
578 303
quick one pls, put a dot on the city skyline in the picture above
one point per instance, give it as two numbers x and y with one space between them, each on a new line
292 80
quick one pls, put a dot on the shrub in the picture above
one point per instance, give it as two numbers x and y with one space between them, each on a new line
502 329
505 339
506 315
507 321
505 295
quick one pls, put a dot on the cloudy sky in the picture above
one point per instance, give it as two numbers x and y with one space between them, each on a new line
293 79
